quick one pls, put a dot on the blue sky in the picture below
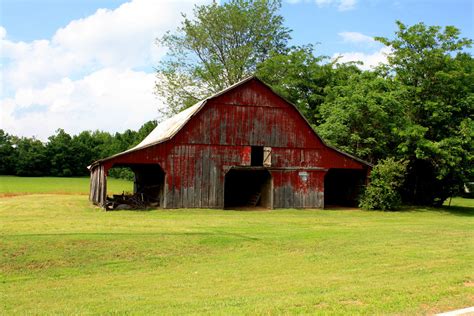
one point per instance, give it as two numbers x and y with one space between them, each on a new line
68 64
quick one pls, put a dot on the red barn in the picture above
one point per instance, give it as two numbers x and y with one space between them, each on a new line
245 146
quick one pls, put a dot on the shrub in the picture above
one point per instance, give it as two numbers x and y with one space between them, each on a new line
122 173
383 191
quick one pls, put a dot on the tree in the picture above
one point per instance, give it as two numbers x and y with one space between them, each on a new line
438 76
144 130
85 149
7 153
303 78
386 181
61 154
298 76
219 46
32 158
362 115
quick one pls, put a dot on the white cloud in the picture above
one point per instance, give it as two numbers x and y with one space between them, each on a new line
345 5
3 32
341 5
369 60
108 99
356 37
90 74
123 38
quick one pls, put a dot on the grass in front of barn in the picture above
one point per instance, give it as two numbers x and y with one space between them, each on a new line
11 185
60 255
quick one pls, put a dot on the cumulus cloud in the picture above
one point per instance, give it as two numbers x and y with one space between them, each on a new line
94 73
123 38
3 32
345 5
341 5
108 99
369 60
356 37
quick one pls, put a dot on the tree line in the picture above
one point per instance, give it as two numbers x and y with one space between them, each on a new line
64 155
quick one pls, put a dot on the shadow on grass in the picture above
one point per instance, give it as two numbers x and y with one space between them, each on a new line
459 210
215 234
454 210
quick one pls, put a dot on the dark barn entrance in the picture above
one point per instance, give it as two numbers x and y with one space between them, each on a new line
244 188
148 189
149 183
343 186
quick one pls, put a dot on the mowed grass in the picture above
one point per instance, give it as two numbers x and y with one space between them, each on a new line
61 255
26 185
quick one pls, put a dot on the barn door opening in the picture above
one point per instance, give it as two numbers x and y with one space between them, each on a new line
248 189
149 184
342 187
123 184
145 188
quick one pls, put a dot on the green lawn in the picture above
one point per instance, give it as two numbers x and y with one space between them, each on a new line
22 185
61 255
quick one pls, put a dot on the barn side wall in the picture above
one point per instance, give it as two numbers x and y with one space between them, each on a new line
195 174
220 136
98 185
298 188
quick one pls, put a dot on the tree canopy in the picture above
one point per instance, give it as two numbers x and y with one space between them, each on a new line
217 47
64 155
430 64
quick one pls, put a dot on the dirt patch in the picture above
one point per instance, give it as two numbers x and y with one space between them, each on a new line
353 302
469 283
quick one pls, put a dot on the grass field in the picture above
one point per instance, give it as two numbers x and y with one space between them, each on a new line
61 255
20 185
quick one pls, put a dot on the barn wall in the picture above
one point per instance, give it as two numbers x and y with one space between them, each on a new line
98 185
298 188
218 137
240 125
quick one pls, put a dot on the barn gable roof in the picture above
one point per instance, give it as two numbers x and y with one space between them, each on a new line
167 129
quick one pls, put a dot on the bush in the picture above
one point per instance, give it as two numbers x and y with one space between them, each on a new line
122 173
383 191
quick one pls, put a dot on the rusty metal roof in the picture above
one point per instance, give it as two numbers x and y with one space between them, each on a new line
169 127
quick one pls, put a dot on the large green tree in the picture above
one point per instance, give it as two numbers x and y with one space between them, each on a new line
304 78
61 154
218 46
363 115
437 75
8 155
32 158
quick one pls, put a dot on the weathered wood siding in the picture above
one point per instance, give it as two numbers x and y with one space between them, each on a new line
98 185
220 136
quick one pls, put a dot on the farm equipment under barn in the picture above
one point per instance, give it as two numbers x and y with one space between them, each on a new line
136 201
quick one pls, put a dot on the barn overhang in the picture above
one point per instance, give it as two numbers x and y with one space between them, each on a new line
149 182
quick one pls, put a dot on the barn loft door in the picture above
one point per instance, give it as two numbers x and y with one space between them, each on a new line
267 156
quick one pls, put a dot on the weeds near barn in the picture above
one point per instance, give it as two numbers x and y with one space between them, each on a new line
62 255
